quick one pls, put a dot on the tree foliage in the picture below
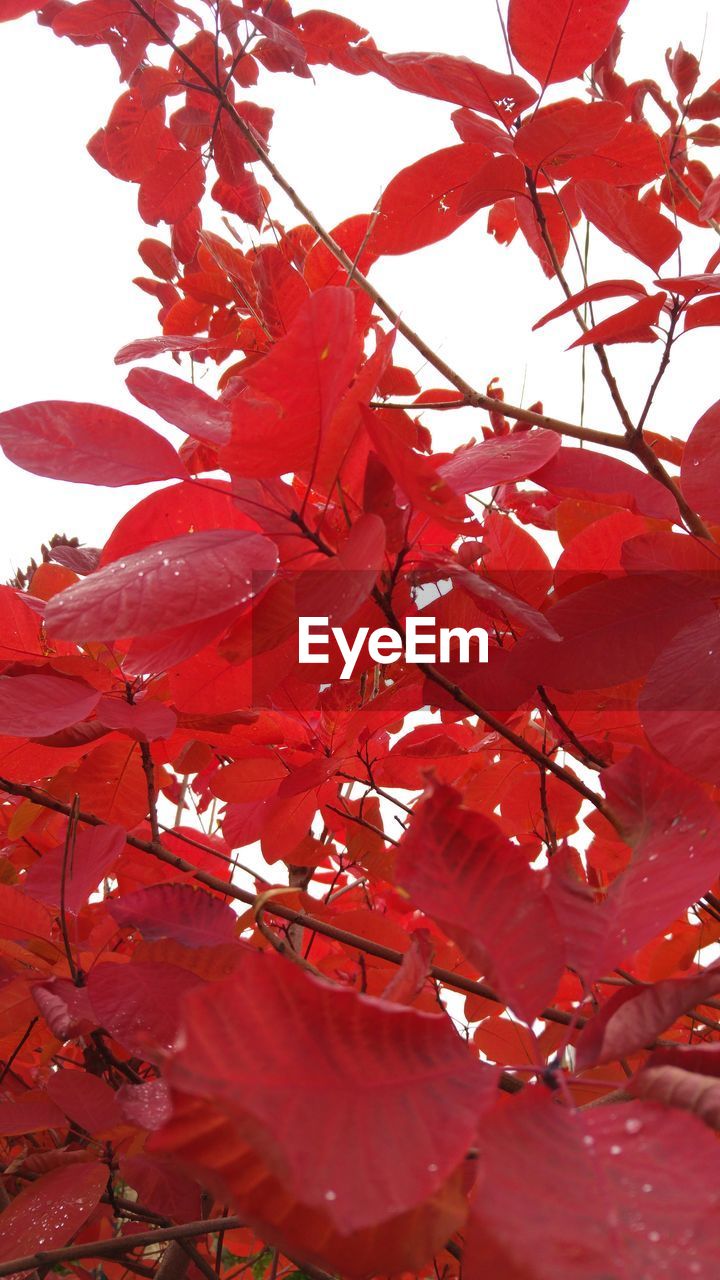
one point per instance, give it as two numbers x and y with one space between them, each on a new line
472 1022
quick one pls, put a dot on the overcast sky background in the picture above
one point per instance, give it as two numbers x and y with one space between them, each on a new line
70 233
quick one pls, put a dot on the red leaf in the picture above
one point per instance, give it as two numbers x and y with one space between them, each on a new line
667 552
190 916
95 852
287 821
181 508
165 649
30 1114
680 702
182 404
255 775
34 706
498 179
611 630
498 602
172 187
86 1099
158 258
691 286
556 227
633 158
710 204
301 1067
201 1137
629 223
706 106
172 1191
110 781
86 443
700 471
559 133
246 199
21 919
704 313
132 136
632 324
459 868
146 721
65 1007
322 268
674 831
149 1107
425 202
232 151
557 39
48 1212
684 70
469 84
413 472
305 374
499 460
669 1084
634 1181
139 1004
515 560
487 133
146 348
586 473
408 981
281 288
337 590
594 293
10 9
19 627
632 1018
190 578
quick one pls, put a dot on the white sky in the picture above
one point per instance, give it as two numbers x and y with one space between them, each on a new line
70 232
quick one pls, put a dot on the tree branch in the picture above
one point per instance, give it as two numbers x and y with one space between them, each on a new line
117 1246
608 439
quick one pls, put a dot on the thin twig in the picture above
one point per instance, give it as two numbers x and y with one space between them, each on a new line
68 852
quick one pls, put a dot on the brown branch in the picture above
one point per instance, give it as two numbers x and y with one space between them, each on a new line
23 1040
607 438
662 367
116 1246
68 851
174 1263
372 786
362 822
149 771
593 761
